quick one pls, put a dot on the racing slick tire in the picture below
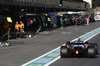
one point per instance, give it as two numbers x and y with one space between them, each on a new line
91 53
96 47
64 52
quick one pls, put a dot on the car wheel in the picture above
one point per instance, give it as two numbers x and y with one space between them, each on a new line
96 47
63 52
91 52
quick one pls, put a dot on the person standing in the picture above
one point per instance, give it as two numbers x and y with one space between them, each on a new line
48 22
87 20
17 26
61 22
21 26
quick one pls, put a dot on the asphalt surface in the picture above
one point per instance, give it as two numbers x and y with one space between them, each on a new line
81 61
26 49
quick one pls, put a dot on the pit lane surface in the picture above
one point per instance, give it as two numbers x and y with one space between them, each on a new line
24 50
81 61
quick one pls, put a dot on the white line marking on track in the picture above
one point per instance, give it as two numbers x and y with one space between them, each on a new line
52 61
40 56
59 48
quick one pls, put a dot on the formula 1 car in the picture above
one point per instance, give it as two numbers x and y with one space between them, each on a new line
79 49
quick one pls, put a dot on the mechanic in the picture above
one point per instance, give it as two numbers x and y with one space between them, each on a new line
17 26
87 20
48 22
61 22
21 26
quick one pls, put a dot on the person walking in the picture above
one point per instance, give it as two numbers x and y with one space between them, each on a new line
87 20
